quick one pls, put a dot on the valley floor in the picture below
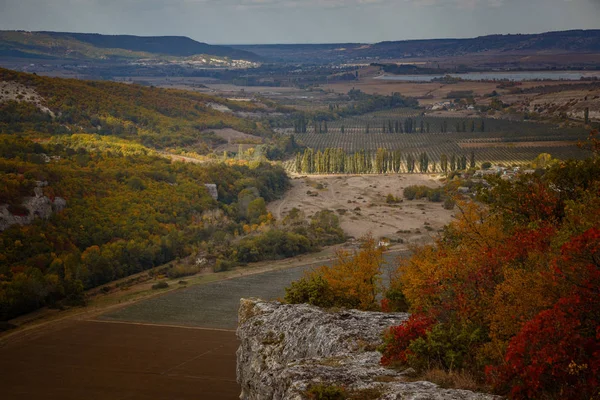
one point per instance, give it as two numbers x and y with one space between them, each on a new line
360 202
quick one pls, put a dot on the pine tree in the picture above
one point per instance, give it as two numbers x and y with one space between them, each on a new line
472 163
452 162
463 162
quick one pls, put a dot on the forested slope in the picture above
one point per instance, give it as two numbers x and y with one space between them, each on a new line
155 117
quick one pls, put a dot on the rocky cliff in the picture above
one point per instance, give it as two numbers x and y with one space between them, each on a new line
286 349
37 206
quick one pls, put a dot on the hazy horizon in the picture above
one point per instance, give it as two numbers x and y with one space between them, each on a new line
245 22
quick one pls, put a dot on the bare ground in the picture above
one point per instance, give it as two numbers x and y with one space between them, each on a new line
360 202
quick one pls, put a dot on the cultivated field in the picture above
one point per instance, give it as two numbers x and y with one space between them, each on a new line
96 360
514 142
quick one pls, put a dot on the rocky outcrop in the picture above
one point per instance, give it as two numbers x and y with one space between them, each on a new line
285 349
38 206
212 190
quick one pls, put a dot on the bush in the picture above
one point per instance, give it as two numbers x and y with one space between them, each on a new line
447 345
223 265
555 355
160 285
486 165
394 301
449 204
311 289
398 338
326 392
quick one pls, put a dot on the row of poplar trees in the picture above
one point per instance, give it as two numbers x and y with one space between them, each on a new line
336 161
409 125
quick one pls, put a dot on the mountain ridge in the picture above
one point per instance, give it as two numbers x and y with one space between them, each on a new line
98 46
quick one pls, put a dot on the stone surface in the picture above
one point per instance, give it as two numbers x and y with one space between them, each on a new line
212 190
285 349
38 206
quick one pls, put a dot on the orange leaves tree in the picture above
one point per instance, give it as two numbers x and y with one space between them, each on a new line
513 288
353 281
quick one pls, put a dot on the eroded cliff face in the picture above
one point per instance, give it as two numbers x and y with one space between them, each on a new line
38 206
285 349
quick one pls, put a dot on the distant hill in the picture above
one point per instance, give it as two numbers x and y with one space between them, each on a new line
580 41
97 47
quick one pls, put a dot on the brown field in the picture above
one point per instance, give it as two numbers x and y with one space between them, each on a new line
99 360
439 91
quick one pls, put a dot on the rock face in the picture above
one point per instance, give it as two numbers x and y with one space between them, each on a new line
212 190
38 206
285 349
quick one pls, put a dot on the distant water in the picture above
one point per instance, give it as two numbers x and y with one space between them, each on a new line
511 76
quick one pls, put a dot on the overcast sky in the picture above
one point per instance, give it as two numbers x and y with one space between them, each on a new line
301 21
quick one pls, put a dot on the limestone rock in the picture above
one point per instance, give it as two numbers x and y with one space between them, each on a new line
285 349
38 206
212 190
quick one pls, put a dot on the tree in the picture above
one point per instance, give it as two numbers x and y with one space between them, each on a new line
453 162
410 163
423 163
444 163
586 116
472 161
354 278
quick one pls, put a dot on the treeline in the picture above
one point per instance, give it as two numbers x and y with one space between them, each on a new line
360 103
407 125
383 161
126 212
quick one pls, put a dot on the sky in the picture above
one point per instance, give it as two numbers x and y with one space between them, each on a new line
300 21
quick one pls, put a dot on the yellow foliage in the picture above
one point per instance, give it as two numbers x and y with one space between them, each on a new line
354 278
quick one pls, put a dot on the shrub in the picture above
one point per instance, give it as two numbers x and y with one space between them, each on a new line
160 285
555 355
394 301
486 165
326 392
446 345
223 265
398 339
311 289
449 204
179 271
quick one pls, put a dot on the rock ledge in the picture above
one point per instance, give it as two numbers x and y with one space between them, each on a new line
285 349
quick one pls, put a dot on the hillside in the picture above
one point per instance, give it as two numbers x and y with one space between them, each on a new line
89 46
581 41
154 117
